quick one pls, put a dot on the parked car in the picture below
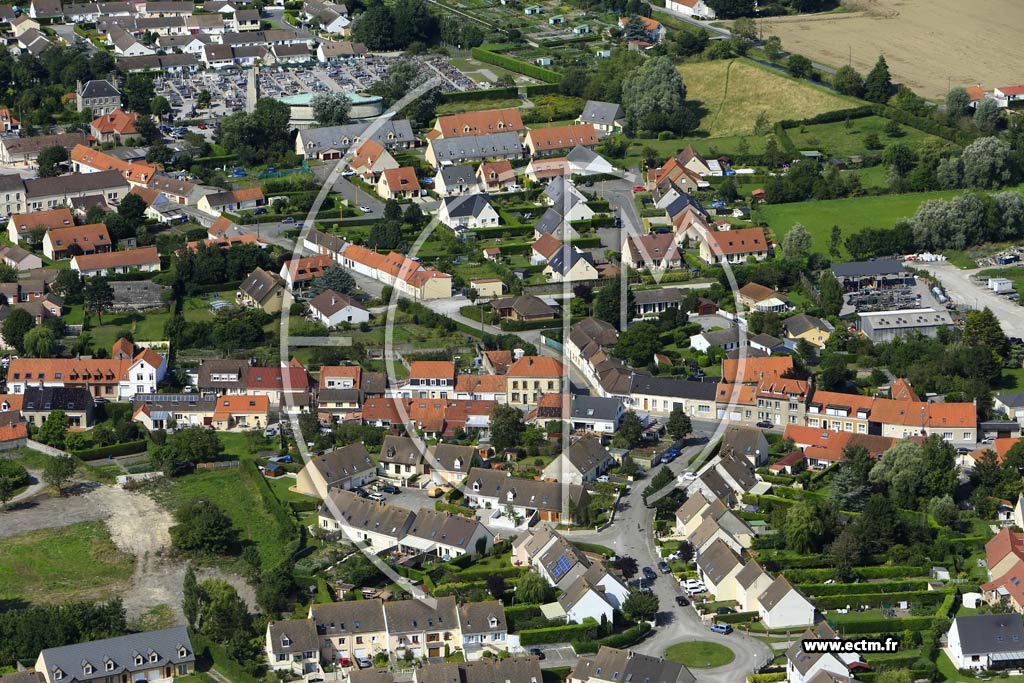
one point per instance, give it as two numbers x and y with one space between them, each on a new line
603 479
537 652
688 476
269 432
725 610
365 209
639 188
287 219
765 424
649 574
348 174
376 497
682 601
361 492
724 629
665 569
260 211
389 488
364 663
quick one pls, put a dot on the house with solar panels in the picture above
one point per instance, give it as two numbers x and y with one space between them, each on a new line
561 564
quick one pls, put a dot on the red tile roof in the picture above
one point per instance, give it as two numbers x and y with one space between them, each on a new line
113 259
536 366
243 404
743 241
402 179
479 123
432 369
117 121
755 369
562 137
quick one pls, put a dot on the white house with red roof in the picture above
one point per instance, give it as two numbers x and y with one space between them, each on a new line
698 9
1005 94
734 246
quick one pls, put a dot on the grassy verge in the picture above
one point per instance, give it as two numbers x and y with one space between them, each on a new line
56 565
700 654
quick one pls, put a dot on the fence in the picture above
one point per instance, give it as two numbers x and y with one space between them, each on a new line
43 448
223 465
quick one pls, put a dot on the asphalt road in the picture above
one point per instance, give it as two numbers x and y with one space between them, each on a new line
631 535
964 292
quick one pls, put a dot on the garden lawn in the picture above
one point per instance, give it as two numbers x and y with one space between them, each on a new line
844 139
711 147
851 215
450 108
733 93
76 562
700 654
244 506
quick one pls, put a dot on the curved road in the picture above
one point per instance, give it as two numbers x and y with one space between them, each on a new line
675 624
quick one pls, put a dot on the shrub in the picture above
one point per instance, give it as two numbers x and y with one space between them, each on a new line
559 634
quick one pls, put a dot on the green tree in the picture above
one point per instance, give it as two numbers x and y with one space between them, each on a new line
799 66
679 424
224 614
797 242
626 565
49 161
192 597
12 477
640 606
635 29
943 510
846 554
655 98
630 431
496 586
847 81
638 344
506 426
201 528
203 99
274 587
899 157
336 278
531 589
835 241
848 488
957 102
607 303
732 9
185 448
15 326
913 472
830 294
878 83
40 342
331 109
160 107
804 528
773 48
98 296
982 328
59 469
745 28
987 116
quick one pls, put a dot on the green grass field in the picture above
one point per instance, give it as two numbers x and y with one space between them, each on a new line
77 562
700 654
243 506
842 139
733 93
851 215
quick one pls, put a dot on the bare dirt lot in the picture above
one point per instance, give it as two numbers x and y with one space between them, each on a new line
928 44
137 525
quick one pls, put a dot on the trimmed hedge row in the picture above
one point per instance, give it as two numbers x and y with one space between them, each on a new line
101 452
516 65
766 678
824 589
925 597
545 89
502 230
481 95
484 572
628 637
832 116
884 572
518 613
737 618
884 625
559 634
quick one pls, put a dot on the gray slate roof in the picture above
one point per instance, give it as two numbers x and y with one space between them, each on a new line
340 464
990 633
99 88
462 174
171 646
391 133
472 147
585 406
293 635
564 260
603 113
673 387
627 666
717 561
467 204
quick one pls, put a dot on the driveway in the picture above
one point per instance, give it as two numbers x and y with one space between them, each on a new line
631 535
964 292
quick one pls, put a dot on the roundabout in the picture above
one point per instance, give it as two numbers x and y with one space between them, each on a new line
700 654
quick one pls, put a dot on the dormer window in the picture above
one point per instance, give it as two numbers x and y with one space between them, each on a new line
285 641
138 660
87 669
153 657
58 674
110 665
493 622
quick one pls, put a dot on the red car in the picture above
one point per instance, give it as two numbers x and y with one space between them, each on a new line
638 188
202 126
344 662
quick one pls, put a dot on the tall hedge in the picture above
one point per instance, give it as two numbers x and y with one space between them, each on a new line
115 450
516 65
559 634
490 94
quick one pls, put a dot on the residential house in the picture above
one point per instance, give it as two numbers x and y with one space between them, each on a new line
782 401
562 564
655 30
691 514
40 401
529 546
149 655
748 442
542 170
19 259
751 582
582 600
543 249
473 148
12 193
654 252
808 667
25 151
400 459
22 226
717 567
495 175
143 259
333 308
782 606
484 628
288 388
299 272
470 211
431 379
329 51
293 646
262 290
595 414
333 142
52 193
347 468
98 96
986 641
530 377
162 411
605 117
611 665
242 412
570 265
724 526
734 246
455 180
491 388
648 303
232 201
497 491
446 535
477 124
757 297
398 183
350 630
449 463
729 339
419 630
117 127
698 9
360 520
583 461
74 240
693 160
117 378
558 140
523 308
803 326
488 287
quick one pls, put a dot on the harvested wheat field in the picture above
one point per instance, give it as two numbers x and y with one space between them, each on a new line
733 93
928 44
